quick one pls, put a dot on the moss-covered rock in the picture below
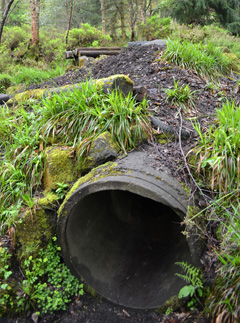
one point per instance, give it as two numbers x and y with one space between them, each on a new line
60 167
36 229
120 82
49 201
101 151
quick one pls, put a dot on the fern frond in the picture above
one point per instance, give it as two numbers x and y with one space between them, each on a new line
193 274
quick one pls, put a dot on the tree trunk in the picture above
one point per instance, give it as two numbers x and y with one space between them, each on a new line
4 17
122 18
69 16
3 6
143 9
35 11
103 17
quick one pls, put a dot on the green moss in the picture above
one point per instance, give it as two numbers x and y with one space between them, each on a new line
234 62
106 170
60 167
174 303
15 88
88 289
164 138
31 94
48 201
36 229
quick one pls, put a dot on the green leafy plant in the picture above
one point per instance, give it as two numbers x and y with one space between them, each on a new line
6 301
48 285
194 289
181 96
61 190
217 153
206 60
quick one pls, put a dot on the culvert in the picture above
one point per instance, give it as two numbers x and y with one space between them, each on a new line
120 230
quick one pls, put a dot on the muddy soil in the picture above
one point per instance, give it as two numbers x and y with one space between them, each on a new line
145 67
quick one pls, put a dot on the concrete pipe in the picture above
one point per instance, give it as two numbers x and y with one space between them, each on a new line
119 229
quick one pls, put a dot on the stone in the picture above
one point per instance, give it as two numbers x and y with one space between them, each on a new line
102 150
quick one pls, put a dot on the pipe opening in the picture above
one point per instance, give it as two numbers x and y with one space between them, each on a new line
125 247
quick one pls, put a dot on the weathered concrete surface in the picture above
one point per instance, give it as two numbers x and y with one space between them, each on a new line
119 229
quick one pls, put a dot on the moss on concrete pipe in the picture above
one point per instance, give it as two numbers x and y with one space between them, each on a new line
119 229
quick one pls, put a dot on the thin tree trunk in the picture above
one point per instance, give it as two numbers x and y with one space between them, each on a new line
4 17
103 17
122 18
3 6
69 17
35 12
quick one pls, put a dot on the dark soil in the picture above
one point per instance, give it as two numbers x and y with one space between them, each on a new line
143 66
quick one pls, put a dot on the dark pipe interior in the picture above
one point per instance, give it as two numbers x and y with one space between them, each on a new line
125 246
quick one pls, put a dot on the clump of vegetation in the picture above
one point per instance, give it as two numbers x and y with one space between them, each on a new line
206 60
224 302
5 82
48 285
181 96
194 289
86 35
155 27
218 152
78 117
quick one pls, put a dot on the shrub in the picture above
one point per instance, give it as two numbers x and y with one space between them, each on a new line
155 27
194 34
14 36
85 36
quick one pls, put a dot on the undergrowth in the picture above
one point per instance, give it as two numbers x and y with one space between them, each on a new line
206 60
48 285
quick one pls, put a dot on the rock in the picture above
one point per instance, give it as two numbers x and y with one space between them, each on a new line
84 61
102 150
4 98
120 82
60 167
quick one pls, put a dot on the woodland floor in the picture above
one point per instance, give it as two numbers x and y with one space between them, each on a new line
141 65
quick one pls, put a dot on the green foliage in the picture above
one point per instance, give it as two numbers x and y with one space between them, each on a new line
5 82
225 299
218 152
181 96
21 171
206 60
61 190
30 75
48 285
155 27
5 272
194 289
80 116
85 36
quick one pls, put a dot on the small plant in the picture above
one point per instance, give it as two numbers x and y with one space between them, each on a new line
194 289
61 190
181 96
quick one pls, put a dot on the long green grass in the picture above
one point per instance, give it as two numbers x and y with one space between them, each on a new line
218 151
206 60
